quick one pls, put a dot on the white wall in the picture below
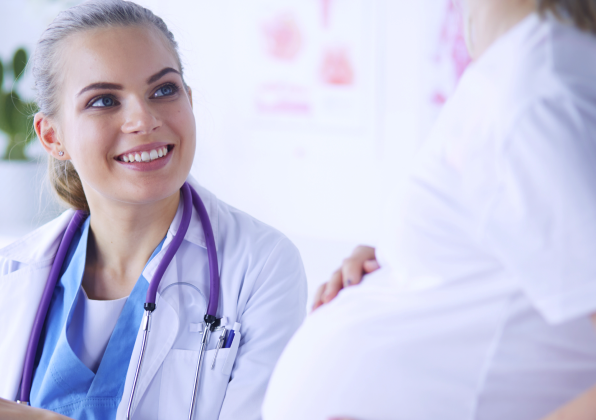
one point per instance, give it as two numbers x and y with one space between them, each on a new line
324 187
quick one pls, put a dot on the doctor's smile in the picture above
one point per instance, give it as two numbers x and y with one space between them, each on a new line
147 157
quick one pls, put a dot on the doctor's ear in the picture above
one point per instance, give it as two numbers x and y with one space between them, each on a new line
47 133
189 91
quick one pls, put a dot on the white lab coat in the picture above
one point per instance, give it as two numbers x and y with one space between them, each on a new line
263 287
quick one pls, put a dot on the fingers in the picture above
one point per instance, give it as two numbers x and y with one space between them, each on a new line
333 286
354 267
318 300
351 270
364 253
328 291
361 262
370 265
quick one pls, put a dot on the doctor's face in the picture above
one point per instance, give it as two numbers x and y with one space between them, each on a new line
125 119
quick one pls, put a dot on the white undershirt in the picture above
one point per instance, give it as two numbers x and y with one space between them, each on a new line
91 327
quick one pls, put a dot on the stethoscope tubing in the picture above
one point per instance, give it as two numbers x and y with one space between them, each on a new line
213 301
44 304
173 247
190 198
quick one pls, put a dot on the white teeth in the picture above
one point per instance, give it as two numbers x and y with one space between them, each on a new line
146 156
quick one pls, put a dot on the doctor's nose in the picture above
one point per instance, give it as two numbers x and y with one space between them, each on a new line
139 119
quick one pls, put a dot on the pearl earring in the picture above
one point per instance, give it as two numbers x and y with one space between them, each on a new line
60 153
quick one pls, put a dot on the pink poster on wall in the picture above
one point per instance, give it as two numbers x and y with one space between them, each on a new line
446 59
451 57
307 62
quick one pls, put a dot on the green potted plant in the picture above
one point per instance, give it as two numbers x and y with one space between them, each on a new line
15 114
24 201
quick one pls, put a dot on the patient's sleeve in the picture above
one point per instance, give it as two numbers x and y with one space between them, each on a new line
541 223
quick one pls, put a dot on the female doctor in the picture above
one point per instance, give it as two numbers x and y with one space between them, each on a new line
481 308
115 117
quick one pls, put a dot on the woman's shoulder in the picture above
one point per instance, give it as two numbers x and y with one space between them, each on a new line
35 248
241 228
237 231
558 70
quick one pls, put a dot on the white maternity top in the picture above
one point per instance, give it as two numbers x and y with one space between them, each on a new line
482 308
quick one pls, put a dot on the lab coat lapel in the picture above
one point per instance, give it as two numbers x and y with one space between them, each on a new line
195 232
164 329
20 294
165 321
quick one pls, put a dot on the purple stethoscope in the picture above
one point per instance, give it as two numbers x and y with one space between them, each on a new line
190 197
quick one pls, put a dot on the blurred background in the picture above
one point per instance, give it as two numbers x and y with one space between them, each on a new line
308 111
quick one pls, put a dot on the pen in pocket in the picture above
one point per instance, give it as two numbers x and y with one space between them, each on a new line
230 338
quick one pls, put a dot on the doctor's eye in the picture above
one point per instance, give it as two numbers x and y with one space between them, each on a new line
102 102
166 90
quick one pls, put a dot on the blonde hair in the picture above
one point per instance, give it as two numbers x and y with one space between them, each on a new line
581 12
63 177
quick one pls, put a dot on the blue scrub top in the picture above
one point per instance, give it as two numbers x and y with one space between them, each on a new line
61 382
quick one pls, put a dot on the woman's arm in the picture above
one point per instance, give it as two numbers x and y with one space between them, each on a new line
12 411
582 408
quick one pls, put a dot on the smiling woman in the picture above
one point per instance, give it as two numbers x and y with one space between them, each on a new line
103 100
115 117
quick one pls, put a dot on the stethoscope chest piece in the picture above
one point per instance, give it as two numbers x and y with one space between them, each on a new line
190 304
192 307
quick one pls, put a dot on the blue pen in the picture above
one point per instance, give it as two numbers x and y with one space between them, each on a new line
230 338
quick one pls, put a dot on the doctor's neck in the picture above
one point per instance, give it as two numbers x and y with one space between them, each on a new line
487 20
122 237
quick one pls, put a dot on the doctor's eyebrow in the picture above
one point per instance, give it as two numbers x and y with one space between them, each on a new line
161 74
115 86
100 85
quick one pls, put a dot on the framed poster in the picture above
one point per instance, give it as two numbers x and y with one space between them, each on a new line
447 56
309 63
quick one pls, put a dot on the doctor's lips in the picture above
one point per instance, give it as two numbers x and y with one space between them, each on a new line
145 154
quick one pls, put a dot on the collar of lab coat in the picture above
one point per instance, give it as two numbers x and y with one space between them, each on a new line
25 286
40 246
194 234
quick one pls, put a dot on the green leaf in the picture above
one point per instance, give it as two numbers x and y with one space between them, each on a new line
9 111
16 114
19 126
1 76
3 120
19 62
16 149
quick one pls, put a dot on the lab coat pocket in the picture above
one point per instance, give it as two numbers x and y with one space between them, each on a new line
177 382
230 358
